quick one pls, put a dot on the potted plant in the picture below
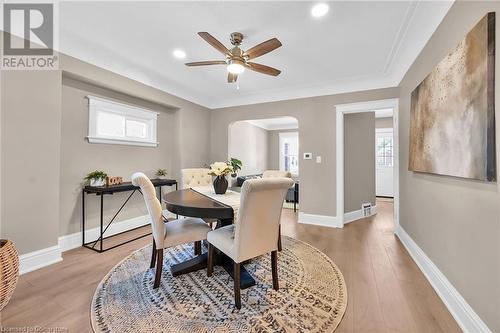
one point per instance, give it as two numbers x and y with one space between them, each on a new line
236 164
96 178
219 170
161 173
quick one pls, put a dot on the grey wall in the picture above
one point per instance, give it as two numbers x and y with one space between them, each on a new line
386 122
455 221
44 152
248 143
191 133
78 156
183 137
359 160
273 150
30 149
316 118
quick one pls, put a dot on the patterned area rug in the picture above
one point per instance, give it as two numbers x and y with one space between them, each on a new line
312 295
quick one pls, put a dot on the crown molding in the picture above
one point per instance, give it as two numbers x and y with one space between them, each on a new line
423 22
400 36
417 27
306 91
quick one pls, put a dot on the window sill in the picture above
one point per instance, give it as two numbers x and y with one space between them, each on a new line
122 142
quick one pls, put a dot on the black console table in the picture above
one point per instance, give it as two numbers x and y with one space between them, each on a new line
101 191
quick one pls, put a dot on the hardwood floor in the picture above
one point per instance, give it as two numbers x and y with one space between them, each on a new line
386 290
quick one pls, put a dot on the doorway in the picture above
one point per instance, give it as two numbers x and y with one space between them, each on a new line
371 106
384 153
266 144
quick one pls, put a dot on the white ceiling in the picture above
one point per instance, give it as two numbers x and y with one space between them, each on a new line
279 123
356 46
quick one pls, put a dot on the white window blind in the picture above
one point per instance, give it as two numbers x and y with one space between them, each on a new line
116 123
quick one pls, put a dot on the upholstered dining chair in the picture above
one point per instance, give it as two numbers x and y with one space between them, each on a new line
255 231
192 177
168 234
277 174
195 177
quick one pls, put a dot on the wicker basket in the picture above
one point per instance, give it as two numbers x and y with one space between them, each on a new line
9 270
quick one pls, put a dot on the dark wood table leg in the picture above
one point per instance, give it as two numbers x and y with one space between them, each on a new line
191 265
246 280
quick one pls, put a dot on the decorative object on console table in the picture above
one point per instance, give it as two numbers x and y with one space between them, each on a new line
161 173
96 178
113 181
452 114
220 170
9 266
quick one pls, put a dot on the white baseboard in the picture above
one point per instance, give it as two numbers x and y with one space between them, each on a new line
358 214
72 241
37 259
322 220
467 319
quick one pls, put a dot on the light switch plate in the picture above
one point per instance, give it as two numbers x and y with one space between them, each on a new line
308 156
318 159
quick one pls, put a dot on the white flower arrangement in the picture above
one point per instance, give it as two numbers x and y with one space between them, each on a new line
220 169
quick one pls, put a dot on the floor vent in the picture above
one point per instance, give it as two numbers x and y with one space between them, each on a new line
366 208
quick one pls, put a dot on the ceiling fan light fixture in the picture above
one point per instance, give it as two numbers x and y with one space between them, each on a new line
236 60
235 67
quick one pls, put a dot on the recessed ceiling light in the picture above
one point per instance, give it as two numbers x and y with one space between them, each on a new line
320 9
179 54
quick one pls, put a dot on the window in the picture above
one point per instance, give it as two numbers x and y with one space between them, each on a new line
384 148
116 123
289 152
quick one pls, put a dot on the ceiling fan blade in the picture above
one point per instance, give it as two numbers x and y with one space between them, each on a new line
263 69
205 63
214 42
262 48
231 78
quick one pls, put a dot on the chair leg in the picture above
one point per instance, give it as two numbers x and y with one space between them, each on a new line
237 296
197 248
274 266
210 260
153 255
159 267
279 238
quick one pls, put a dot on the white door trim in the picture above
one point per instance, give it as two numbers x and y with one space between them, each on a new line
369 106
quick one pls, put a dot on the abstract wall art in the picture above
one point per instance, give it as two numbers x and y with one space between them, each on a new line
452 113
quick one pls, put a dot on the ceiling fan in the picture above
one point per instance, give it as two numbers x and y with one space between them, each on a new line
237 59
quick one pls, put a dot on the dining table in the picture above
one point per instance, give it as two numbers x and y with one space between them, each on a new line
202 202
